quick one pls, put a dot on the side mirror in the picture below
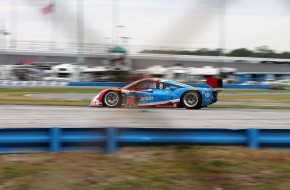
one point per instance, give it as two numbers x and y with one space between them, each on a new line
173 88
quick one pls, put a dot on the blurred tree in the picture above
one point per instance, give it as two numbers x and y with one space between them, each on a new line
285 55
241 52
202 51
262 51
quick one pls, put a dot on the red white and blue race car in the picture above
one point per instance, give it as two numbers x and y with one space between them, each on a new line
156 93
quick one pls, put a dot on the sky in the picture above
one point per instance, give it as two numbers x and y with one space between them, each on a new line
179 24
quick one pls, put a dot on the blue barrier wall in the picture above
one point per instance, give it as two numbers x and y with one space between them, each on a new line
247 86
109 139
98 84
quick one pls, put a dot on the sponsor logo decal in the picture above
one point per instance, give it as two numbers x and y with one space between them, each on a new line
207 94
146 98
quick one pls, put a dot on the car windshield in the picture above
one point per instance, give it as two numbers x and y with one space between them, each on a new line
142 85
147 85
131 85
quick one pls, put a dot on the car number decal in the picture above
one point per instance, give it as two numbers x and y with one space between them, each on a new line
130 100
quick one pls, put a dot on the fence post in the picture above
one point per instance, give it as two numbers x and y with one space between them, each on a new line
55 142
253 138
111 140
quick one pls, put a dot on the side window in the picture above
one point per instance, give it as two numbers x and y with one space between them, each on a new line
160 85
147 85
166 85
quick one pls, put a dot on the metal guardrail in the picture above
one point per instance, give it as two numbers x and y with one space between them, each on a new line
110 139
50 47
102 48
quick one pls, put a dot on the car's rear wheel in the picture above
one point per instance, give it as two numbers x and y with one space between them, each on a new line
191 100
112 99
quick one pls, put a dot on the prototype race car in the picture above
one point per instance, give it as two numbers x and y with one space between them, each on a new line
156 93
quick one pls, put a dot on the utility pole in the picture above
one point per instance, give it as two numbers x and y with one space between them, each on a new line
80 38
222 30
115 21
13 23
125 42
3 33
118 34
54 26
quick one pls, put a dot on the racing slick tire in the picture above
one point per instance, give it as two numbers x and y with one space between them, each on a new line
112 99
191 100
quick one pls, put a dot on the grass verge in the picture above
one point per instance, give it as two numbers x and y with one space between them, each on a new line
250 107
172 168
13 96
256 98
49 90
254 91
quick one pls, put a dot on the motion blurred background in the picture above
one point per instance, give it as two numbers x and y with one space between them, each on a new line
58 54
189 40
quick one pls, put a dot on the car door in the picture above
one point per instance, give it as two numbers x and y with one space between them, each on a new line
149 94
165 92
143 94
155 96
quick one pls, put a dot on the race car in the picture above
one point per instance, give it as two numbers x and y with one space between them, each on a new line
156 93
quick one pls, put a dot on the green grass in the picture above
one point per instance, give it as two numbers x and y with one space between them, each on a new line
254 91
14 96
256 98
151 168
272 96
214 106
49 90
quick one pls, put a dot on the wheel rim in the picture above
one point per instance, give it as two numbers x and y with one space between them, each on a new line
111 99
190 99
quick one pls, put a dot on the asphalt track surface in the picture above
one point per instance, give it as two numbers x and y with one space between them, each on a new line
89 96
13 116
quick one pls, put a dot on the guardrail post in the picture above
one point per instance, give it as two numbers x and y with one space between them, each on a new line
111 140
55 142
253 138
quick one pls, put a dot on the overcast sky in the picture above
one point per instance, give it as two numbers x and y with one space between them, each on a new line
178 24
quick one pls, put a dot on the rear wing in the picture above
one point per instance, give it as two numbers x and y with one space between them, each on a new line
214 82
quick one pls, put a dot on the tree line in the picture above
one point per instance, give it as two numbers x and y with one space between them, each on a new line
262 52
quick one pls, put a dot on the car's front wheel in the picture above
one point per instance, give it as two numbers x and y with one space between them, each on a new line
191 100
112 99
